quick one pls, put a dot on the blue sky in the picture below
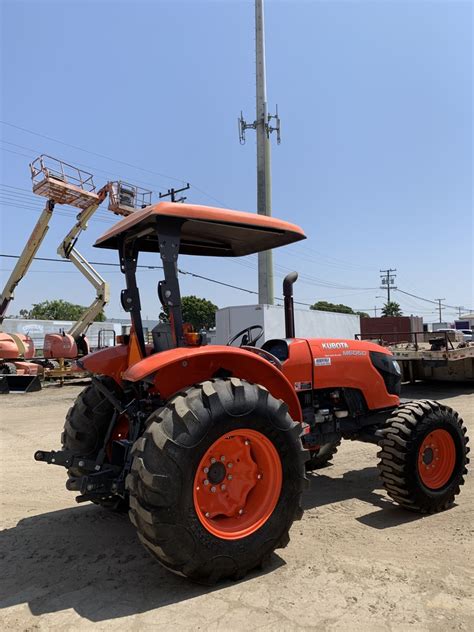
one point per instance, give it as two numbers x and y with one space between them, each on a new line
376 156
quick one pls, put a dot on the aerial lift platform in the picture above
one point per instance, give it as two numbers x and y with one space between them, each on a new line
61 183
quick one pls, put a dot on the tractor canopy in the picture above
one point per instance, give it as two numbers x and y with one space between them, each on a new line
205 230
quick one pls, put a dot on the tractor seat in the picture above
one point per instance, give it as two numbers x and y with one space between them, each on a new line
278 348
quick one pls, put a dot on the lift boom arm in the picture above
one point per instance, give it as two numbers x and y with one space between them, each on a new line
64 184
29 251
102 293
68 251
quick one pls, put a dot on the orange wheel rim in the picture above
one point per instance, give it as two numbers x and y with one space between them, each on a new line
436 459
237 484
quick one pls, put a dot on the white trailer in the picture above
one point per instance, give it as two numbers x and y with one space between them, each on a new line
308 323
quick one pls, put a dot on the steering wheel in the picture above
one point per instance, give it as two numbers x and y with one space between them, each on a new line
247 339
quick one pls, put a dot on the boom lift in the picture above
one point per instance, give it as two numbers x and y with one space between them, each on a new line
62 183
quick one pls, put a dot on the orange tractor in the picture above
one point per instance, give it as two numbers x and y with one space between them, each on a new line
208 446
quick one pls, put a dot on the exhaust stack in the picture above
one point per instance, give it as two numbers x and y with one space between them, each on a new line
288 282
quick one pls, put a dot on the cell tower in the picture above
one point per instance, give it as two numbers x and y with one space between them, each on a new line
263 127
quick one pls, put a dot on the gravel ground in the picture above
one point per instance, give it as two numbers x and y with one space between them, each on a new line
355 561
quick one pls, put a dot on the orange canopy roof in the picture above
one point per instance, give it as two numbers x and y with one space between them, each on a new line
205 230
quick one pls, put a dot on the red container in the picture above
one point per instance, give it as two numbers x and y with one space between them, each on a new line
392 329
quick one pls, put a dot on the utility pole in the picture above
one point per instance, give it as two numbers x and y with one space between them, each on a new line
375 311
459 308
263 128
388 280
439 307
172 193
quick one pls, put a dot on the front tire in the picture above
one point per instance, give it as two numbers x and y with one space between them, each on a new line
423 456
216 480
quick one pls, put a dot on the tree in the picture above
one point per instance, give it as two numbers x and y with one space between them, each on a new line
197 311
391 308
59 310
324 306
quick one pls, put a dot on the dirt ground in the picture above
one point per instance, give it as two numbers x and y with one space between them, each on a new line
355 561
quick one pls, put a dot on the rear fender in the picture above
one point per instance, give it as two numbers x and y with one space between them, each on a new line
175 369
112 361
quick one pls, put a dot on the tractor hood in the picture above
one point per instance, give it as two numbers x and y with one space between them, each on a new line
205 230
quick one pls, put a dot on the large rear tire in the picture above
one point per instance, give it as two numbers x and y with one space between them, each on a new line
86 425
216 480
423 456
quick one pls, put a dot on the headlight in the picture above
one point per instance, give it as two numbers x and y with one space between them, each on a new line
396 366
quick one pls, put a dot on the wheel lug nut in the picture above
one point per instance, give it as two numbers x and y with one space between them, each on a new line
259 476
207 514
223 487
213 489
206 482
206 470
213 460
230 465
229 477
247 442
241 511
222 458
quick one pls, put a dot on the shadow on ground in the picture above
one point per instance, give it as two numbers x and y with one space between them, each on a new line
90 560
436 390
365 485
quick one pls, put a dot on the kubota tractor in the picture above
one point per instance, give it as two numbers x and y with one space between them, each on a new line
208 446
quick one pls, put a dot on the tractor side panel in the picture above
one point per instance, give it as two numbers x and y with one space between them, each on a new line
347 363
298 368
176 369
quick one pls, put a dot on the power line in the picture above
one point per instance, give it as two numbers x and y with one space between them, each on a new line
28 201
155 267
181 271
105 157
421 298
37 152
